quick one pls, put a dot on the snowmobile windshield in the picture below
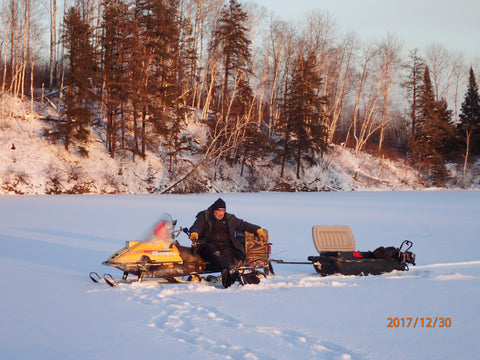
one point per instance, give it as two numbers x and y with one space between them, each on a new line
160 232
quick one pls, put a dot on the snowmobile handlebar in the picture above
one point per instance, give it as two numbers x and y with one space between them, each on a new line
407 243
176 233
194 242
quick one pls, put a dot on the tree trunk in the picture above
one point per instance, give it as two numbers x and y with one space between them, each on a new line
467 153
53 40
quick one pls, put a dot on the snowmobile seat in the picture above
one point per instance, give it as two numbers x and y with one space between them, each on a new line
333 238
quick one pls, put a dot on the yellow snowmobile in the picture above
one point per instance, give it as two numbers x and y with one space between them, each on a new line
156 254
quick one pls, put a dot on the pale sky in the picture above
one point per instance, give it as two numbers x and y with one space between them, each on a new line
455 24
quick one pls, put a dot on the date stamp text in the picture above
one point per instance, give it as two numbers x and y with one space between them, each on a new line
419 322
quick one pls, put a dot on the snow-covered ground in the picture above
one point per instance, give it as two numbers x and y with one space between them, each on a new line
30 164
49 309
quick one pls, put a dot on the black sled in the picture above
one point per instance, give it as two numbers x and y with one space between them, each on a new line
337 254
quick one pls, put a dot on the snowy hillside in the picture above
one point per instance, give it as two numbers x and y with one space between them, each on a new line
31 165
50 309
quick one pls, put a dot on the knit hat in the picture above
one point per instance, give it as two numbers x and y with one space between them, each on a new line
219 204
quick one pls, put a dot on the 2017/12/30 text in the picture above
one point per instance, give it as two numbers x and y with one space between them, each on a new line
419 322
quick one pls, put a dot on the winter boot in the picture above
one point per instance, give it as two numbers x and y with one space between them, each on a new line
226 278
235 275
250 278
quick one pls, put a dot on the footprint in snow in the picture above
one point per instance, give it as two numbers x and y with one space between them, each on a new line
222 336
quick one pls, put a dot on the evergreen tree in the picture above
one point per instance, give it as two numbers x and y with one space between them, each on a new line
250 143
79 81
470 118
435 132
231 42
188 60
305 116
160 75
117 41
160 35
416 70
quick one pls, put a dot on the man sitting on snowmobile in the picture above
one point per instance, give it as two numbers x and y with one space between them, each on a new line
214 235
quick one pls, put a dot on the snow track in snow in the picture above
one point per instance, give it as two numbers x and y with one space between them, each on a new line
229 337
456 264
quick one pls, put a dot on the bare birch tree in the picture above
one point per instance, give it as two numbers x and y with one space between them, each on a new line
366 103
281 38
53 41
438 61
338 81
202 14
457 76
4 50
389 65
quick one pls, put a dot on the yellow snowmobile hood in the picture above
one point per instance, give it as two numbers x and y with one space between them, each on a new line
141 252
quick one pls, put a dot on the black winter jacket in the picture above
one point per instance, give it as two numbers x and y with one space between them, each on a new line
203 226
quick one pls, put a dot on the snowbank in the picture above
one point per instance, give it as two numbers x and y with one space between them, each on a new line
29 164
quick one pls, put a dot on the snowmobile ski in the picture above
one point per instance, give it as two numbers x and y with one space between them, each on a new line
95 277
110 280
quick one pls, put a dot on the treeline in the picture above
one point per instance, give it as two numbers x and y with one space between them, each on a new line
143 71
